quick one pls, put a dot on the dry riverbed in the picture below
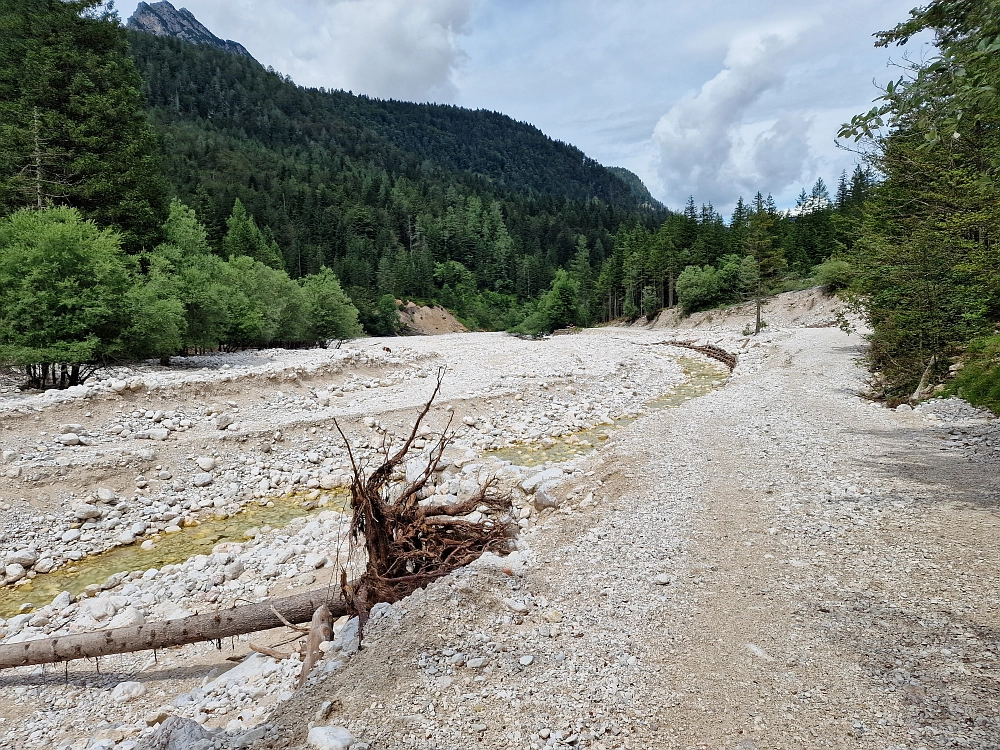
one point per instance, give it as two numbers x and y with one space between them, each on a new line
772 562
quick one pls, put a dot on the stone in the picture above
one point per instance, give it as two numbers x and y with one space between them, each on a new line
119 386
26 557
158 433
71 535
66 429
61 601
105 495
663 579
330 738
529 484
233 570
9 456
205 463
313 457
45 565
526 660
14 572
330 481
223 421
202 480
553 616
127 691
315 560
544 499
156 717
127 618
904 408
14 472
476 662
514 605
100 608
70 438
177 733
86 511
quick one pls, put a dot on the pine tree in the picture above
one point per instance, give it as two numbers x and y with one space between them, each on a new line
245 238
73 129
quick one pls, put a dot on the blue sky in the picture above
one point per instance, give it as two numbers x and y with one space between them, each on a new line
718 98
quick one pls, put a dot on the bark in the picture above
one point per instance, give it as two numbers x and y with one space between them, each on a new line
209 626
924 379
319 631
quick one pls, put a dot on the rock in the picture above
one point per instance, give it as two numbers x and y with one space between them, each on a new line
313 457
176 733
70 438
127 618
9 456
526 660
233 570
71 535
202 480
904 408
86 511
331 481
14 572
119 386
223 420
61 601
330 738
205 463
156 717
158 433
544 499
45 565
553 616
26 557
529 484
66 429
14 472
100 608
105 495
16 624
127 691
476 662
663 579
515 605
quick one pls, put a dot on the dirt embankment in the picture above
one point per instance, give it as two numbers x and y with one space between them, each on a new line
428 321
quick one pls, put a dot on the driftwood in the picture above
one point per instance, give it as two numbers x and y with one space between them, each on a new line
709 350
210 626
319 631
406 550
408 546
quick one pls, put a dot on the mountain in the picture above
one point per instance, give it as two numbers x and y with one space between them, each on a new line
636 186
163 19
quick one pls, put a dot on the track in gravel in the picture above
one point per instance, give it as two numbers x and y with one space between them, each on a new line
832 583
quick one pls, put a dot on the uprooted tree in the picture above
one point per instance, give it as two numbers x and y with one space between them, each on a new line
407 546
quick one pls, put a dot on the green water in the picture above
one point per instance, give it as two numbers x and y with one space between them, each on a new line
700 377
169 549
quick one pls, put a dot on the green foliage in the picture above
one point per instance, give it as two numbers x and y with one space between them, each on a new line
834 275
243 237
386 321
698 288
73 130
926 261
64 289
330 312
979 380
650 302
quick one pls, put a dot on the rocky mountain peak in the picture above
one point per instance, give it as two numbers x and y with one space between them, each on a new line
163 19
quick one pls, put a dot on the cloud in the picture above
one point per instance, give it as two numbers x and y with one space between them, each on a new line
401 49
708 143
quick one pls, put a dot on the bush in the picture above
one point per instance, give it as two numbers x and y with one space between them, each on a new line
698 288
834 275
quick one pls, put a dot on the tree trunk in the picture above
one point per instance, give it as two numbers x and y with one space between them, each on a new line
209 626
923 379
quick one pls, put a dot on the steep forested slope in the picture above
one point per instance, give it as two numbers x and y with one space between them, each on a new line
381 191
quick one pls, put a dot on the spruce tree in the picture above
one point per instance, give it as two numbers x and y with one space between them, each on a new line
73 130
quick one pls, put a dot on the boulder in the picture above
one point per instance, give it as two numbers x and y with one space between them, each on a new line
86 511
177 733
106 495
69 438
330 738
127 691
26 557
223 421
14 572
205 463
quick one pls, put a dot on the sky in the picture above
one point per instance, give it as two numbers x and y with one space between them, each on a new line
710 98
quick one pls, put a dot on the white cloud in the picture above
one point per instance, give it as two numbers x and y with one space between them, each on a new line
703 142
401 49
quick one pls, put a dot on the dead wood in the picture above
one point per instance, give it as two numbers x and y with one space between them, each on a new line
409 545
267 651
209 626
319 631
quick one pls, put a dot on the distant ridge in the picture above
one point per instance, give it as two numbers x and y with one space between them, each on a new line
163 19
637 187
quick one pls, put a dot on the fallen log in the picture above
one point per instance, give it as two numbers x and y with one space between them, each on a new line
209 626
